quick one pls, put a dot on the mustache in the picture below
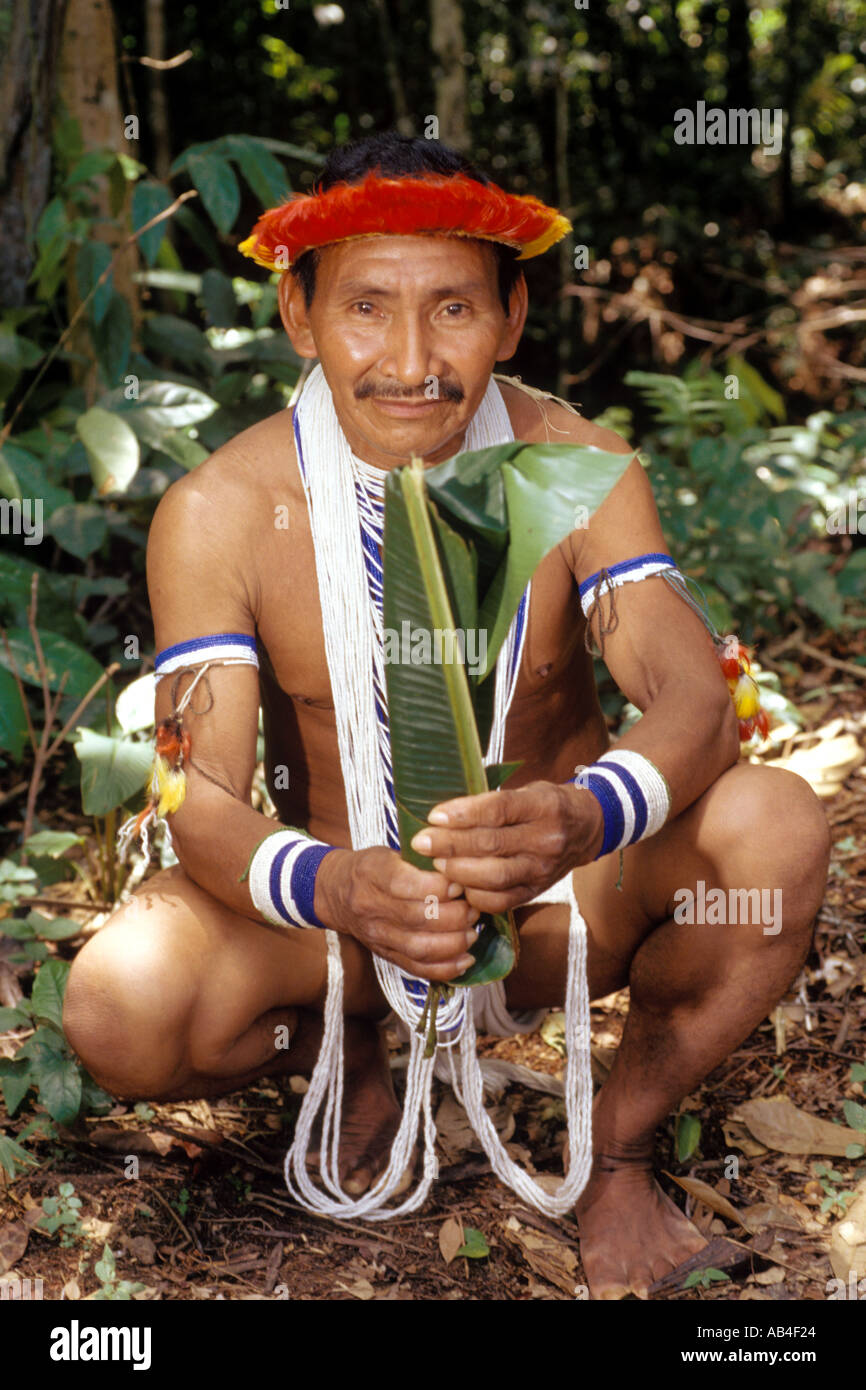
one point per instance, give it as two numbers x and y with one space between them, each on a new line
445 390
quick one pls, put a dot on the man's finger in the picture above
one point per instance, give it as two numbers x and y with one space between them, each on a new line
491 873
487 808
501 902
475 842
414 884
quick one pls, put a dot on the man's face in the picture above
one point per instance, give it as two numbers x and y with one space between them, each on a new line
407 329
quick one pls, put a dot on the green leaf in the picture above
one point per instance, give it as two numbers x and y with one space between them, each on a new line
184 450
92 259
112 339
855 1151
219 299
57 1076
858 1069
12 1018
13 721
79 528
855 1115
134 708
61 657
148 199
215 180
688 1136
262 171
162 408
16 1078
48 990
474 1245
13 1157
52 843
90 166
461 542
53 928
112 449
9 486
112 770
173 337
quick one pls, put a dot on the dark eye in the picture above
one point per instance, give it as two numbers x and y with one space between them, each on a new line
459 310
364 307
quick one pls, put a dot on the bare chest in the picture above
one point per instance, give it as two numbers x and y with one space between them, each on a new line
289 621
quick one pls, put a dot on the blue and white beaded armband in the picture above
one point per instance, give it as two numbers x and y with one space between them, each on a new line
634 797
282 878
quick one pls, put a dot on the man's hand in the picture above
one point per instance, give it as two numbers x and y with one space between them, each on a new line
406 915
506 847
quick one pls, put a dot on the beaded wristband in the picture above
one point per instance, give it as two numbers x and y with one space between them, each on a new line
282 878
634 797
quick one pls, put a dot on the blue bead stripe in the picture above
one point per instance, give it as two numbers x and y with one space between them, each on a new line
636 796
275 884
611 810
625 567
304 871
197 644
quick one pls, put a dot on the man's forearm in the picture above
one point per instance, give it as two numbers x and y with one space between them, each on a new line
215 835
691 740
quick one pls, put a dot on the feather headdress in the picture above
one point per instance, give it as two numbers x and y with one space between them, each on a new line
403 206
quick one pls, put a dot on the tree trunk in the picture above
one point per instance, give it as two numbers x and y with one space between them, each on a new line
402 119
89 90
452 88
28 76
158 102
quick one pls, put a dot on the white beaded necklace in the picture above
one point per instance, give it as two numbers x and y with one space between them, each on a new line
345 499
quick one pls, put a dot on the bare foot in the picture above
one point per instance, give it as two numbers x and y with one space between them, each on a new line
371 1115
631 1233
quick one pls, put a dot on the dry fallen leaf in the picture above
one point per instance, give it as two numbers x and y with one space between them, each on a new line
738 1137
826 766
455 1133
451 1238
848 1239
761 1214
100 1231
13 1242
550 1259
71 1290
776 1275
702 1192
780 1125
362 1288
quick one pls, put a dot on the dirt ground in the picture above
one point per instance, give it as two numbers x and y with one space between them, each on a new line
208 1215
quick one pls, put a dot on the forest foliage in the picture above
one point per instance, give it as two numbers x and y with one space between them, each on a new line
709 305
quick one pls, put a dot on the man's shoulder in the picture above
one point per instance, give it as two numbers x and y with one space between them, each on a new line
238 478
538 417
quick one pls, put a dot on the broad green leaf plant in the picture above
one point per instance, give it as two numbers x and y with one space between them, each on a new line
462 540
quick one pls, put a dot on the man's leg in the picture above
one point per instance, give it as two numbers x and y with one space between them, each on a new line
696 991
179 997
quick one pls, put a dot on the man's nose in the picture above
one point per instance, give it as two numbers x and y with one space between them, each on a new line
410 355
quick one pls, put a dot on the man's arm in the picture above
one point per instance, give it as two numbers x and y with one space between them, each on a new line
196 590
508 846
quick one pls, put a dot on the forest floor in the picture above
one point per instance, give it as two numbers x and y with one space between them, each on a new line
764 1173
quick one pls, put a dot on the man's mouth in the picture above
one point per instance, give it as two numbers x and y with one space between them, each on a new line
403 408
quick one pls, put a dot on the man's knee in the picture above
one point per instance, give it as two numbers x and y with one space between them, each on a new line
126 1009
769 823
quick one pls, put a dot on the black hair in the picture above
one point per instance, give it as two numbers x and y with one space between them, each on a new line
393 155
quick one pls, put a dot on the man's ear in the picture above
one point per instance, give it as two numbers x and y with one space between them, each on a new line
518 308
293 312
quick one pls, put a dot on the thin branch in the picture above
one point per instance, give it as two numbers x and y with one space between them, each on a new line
160 64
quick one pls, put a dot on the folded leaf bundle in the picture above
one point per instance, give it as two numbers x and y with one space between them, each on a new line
461 542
